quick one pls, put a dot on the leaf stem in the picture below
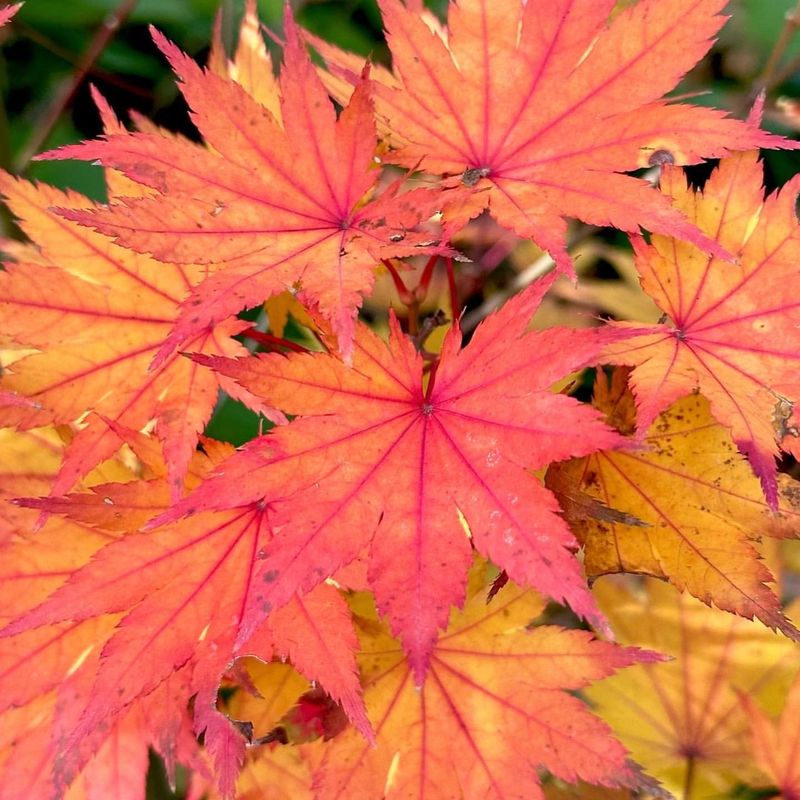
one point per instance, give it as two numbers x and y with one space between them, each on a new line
431 379
421 292
273 341
455 308
406 297
688 781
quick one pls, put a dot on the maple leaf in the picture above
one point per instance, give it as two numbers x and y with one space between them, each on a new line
251 66
699 510
276 201
727 334
96 313
493 709
47 673
541 106
379 459
8 12
776 746
265 693
683 720
182 590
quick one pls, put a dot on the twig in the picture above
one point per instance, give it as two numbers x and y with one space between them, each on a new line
790 28
68 88
786 71
538 269
27 32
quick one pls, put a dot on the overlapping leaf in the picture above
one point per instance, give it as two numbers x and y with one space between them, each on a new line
731 330
380 459
97 313
683 720
251 66
493 708
189 618
8 12
276 771
181 592
699 510
277 201
48 667
776 745
542 105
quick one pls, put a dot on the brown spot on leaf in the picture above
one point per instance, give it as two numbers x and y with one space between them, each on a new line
661 157
472 175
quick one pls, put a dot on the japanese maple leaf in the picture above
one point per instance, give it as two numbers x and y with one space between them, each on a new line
265 694
378 458
776 745
96 313
181 592
8 12
683 720
251 66
277 202
700 510
47 674
726 331
541 106
495 707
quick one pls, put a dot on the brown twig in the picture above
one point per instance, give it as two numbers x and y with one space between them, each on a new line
27 32
770 76
66 91
543 265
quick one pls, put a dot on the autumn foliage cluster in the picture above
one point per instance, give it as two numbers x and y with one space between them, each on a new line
389 592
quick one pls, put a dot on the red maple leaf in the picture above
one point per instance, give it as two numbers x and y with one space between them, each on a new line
379 458
181 592
542 105
278 203
8 12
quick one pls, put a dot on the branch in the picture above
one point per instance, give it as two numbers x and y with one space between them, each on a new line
66 91
538 269
769 76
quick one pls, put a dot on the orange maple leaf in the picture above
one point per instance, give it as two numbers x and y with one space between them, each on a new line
49 671
278 202
97 313
541 106
683 720
726 331
169 622
776 745
378 457
493 709
697 510
180 592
